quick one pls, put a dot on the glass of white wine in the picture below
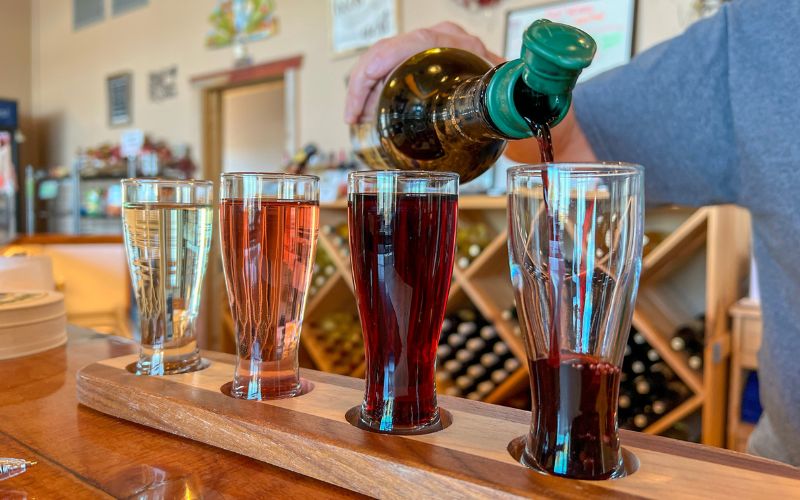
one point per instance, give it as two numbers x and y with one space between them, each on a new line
167 228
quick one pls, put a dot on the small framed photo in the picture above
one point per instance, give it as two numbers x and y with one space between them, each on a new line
357 24
610 22
120 92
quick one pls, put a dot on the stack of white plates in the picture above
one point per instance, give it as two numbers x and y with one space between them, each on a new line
31 322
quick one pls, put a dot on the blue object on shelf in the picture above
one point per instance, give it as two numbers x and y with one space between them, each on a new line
751 403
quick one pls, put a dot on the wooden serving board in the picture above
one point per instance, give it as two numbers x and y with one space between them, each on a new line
470 458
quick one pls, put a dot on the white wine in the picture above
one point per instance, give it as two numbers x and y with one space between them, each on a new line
167 245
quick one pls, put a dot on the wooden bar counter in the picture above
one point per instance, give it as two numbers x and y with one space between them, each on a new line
85 453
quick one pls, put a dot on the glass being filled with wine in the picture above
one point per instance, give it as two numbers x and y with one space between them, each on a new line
268 233
402 241
575 244
167 229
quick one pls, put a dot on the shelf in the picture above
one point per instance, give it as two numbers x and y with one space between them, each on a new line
686 250
675 415
681 244
509 386
649 321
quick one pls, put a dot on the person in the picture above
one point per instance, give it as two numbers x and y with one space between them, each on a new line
712 114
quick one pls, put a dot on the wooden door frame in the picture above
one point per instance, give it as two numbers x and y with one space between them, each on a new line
212 87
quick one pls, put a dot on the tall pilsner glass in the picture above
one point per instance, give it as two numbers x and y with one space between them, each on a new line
268 232
402 242
167 228
575 245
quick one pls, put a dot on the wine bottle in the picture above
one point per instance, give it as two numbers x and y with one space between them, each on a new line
509 314
447 109
488 332
456 340
485 387
489 360
499 376
452 366
447 327
464 382
452 391
511 365
467 328
464 356
444 351
500 348
476 371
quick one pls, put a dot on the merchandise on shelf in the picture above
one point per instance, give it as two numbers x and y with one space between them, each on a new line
649 389
323 270
471 239
472 360
339 235
690 338
338 337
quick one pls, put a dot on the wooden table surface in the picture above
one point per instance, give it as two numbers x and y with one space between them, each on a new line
82 453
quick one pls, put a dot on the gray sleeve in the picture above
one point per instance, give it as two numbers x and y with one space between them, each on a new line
670 111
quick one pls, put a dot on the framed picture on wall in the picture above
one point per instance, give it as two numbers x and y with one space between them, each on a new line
610 22
356 24
120 91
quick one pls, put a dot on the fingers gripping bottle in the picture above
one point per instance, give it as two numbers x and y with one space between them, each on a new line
448 110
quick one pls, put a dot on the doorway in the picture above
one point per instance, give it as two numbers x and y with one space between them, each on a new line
254 136
248 126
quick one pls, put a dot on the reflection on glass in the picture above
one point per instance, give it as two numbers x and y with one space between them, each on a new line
268 232
575 253
402 241
167 229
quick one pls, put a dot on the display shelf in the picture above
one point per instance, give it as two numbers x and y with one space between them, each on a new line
745 344
696 267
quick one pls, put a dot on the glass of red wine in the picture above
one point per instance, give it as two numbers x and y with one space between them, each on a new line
268 235
575 246
402 243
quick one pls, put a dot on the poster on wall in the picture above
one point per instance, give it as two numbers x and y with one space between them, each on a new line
356 24
241 21
163 84
609 22
119 99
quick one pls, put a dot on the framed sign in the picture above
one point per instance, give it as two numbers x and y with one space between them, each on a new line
163 84
609 22
356 24
119 99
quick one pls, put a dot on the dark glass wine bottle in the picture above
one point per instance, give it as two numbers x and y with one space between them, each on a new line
448 110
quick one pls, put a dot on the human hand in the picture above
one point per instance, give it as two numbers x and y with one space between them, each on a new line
375 64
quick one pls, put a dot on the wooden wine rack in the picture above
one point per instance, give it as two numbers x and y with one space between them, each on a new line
698 267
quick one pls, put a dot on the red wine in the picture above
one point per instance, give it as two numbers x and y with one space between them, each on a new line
267 252
574 427
402 254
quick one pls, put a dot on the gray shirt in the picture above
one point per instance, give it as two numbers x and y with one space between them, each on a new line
713 116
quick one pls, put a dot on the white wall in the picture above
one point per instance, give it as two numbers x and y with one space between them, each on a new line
254 131
15 65
70 69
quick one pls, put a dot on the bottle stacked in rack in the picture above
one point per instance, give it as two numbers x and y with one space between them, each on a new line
690 339
339 341
323 269
339 235
472 360
510 315
649 388
471 239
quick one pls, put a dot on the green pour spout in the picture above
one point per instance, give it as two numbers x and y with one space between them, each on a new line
552 57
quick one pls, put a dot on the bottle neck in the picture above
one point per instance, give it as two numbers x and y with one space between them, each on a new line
464 112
